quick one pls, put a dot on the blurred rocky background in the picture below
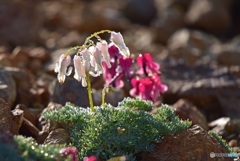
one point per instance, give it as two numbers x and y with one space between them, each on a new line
197 43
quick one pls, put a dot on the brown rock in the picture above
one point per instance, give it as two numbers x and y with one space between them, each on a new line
218 126
205 14
190 46
19 57
187 111
167 22
5 116
40 96
4 60
24 82
191 144
19 22
233 126
44 80
233 143
27 113
229 53
17 120
7 87
47 125
41 137
39 53
58 136
29 129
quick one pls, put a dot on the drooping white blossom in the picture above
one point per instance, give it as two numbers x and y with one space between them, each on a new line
80 73
62 69
117 39
103 45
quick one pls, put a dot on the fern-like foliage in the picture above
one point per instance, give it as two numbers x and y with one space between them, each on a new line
136 104
111 132
221 141
31 151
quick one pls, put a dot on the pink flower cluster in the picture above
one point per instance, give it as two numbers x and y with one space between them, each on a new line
91 158
70 152
120 66
147 84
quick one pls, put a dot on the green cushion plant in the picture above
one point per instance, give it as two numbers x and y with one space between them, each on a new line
115 131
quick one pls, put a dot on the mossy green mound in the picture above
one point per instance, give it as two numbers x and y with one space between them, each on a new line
110 131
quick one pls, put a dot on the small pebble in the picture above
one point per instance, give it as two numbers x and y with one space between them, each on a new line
233 143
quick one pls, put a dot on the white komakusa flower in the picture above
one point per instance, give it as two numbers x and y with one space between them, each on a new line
117 39
79 70
104 49
86 59
96 58
61 67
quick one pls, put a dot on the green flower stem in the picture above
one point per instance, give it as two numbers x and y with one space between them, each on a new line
103 95
89 92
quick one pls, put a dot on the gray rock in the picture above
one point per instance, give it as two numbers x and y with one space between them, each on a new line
58 136
209 89
210 15
70 91
166 23
229 53
191 46
140 11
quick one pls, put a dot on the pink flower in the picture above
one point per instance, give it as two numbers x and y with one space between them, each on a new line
110 73
147 65
120 66
91 158
125 66
149 88
61 67
71 152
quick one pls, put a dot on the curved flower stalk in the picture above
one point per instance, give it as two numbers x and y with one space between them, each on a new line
95 59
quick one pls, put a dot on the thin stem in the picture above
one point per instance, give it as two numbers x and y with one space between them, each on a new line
103 95
106 87
96 34
89 92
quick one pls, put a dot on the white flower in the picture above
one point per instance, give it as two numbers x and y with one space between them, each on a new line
80 72
61 67
86 59
103 46
96 58
117 39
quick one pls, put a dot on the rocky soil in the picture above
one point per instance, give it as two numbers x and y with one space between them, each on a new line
197 43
